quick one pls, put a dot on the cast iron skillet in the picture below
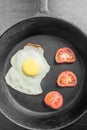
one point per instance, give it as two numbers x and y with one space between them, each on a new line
51 33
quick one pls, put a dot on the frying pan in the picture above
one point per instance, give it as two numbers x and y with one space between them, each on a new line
51 33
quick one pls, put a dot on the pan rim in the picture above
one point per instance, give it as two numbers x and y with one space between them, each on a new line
63 126
41 17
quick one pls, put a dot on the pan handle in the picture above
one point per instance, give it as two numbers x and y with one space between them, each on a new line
43 9
43 6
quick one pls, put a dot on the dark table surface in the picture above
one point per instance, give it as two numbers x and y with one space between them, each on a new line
14 11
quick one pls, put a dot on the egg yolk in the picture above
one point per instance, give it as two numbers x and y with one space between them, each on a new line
30 67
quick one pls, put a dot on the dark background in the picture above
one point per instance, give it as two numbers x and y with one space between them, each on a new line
14 11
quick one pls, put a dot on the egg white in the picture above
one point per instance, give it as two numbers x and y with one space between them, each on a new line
21 82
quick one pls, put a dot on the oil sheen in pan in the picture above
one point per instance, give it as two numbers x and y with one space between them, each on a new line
70 95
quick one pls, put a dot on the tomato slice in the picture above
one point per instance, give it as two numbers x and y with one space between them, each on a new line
65 55
67 79
54 100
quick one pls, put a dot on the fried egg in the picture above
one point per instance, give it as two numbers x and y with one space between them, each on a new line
28 68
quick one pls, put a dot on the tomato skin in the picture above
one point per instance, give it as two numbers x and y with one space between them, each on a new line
54 99
67 79
65 55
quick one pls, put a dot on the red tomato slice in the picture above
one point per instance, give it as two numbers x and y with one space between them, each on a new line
54 100
67 78
65 55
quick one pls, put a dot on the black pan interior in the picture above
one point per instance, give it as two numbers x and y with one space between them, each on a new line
51 34
50 44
